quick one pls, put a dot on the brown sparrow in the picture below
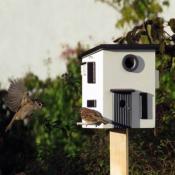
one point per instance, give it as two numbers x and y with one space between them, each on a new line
92 116
19 101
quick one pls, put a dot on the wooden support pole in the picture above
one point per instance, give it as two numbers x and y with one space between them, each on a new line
119 153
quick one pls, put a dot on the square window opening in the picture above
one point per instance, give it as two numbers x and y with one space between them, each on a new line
91 103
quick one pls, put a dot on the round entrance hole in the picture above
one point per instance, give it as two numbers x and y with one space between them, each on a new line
130 62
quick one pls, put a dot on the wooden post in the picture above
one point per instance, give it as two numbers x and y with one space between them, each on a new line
119 153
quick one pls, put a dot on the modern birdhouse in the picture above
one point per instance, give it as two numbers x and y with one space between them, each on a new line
120 81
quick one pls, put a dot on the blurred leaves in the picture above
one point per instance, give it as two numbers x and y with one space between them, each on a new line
132 12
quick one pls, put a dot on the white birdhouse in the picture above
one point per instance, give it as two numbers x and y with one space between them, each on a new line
119 81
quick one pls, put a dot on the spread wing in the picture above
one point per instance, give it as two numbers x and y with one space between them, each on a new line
16 92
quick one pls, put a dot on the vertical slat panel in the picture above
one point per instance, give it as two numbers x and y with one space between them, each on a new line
129 115
120 109
122 114
118 119
125 108
117 108
127 105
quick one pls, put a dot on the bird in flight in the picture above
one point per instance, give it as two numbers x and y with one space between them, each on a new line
91 116
19 101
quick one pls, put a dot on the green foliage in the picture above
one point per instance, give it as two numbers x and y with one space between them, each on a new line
152 155
133 12
57 122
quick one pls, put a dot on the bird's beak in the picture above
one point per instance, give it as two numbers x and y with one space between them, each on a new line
40 104
43 104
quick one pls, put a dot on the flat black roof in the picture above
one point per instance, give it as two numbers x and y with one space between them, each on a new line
114 47
124 91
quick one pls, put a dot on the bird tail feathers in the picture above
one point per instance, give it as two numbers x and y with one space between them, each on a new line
10 124
106 121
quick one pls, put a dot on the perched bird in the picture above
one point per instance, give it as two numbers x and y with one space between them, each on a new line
19 101
91 116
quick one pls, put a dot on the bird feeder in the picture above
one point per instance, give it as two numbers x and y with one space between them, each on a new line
120 81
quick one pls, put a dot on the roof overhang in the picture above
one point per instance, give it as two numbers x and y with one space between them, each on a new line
117 47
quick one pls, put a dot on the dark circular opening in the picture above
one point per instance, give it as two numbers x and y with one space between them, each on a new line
130 62
122 103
